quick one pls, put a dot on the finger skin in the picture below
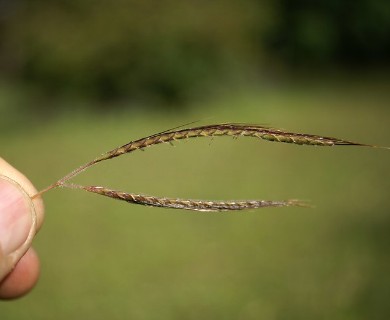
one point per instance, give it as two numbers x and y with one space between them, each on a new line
7 170
22 278
26 272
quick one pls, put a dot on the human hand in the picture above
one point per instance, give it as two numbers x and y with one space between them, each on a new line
20 219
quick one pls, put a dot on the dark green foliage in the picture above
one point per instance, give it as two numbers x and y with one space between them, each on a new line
125 49
170 51
325 32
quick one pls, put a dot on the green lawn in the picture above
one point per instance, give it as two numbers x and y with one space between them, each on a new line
104 259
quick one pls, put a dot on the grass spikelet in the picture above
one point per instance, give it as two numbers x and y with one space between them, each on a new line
234 130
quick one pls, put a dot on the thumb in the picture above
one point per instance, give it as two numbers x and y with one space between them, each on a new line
17 224
20 217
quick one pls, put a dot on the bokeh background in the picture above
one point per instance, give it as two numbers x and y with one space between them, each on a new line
80 77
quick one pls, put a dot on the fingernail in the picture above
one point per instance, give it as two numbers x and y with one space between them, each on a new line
16 216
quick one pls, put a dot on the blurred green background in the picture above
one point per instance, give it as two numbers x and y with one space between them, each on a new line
80 77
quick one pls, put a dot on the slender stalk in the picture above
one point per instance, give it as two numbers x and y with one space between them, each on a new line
62 181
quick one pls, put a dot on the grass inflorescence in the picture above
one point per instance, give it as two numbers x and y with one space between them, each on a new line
214 130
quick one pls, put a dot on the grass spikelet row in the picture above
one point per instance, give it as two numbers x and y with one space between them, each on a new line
190 204
227 129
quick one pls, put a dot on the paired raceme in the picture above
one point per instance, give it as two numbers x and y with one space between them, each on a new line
225 129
